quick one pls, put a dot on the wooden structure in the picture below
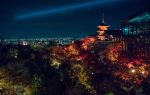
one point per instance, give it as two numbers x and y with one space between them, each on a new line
136 36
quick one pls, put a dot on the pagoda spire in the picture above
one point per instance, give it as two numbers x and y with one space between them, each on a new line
103 18
101 29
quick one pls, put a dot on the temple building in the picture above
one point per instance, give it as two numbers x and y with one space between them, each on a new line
101 30
136 35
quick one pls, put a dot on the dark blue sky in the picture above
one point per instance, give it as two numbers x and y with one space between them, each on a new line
62 18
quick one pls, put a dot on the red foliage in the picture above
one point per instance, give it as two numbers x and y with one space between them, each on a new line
131 70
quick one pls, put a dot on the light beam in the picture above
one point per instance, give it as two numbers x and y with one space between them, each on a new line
53 11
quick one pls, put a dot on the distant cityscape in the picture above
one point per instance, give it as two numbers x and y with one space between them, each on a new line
45 41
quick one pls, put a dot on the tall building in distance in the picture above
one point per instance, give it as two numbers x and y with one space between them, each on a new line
101 29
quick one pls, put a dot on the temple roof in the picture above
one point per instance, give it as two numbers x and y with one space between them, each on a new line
143 16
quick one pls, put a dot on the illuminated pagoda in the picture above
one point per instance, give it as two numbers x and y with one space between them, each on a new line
101 30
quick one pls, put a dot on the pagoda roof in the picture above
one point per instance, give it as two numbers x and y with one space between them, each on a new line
103 24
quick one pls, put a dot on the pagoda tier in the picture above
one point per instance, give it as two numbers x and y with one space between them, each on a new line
101 30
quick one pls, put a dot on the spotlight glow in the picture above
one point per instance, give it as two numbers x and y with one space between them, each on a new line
53 11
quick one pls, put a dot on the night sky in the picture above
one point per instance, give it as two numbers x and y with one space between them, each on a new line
62 18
